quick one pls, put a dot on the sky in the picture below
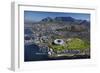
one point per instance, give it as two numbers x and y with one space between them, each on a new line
35 16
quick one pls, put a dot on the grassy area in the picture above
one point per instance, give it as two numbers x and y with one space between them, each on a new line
73 44
77 44
58 47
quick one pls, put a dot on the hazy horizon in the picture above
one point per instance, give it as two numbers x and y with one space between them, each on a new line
35 16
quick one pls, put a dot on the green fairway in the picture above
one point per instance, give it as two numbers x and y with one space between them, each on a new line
73 44
77 44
